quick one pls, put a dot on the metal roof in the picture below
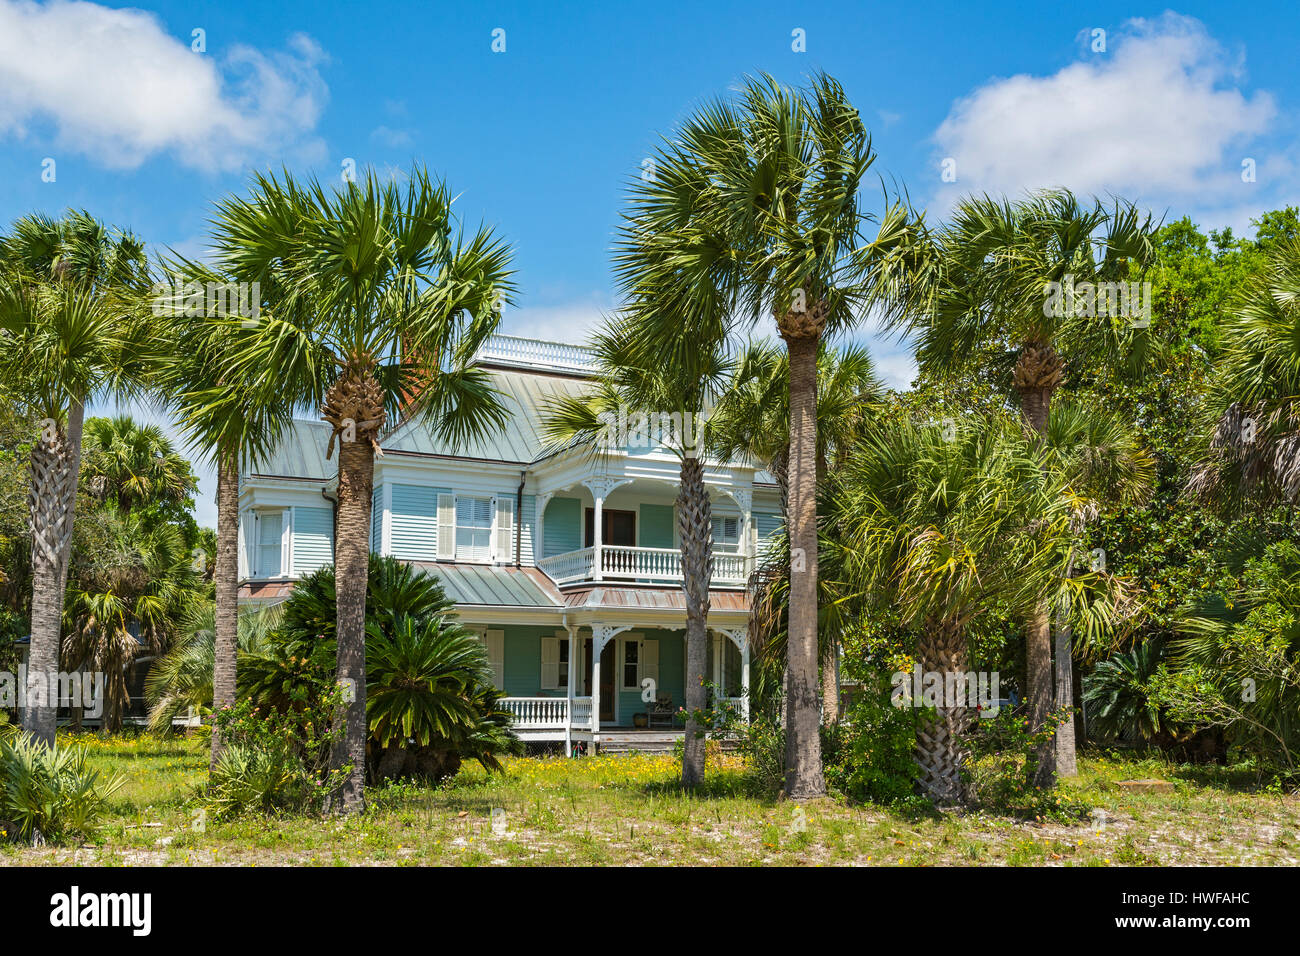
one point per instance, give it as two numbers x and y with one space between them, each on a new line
301 453
481 584
650 598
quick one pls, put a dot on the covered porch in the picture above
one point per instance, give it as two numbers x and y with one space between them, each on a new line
621 680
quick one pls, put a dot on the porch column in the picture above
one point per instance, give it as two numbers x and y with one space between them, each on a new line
600 486
744 499
573 666
601 634
740 637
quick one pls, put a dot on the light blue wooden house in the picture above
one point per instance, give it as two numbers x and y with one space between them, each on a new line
566 563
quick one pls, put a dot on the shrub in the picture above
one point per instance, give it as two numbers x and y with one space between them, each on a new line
48 793
999 772
275 760
868 755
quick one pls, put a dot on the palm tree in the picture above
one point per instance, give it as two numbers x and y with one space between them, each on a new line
677 376
940 527
1000 297
756 201
126 601
133 464
71 332
1252 454
229 422
752 421
376 302
1103 463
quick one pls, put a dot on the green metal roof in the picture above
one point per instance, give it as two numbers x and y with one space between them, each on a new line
494 586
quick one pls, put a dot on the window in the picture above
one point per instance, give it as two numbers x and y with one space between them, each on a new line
270 535
631 665
473 529
726 532
562 677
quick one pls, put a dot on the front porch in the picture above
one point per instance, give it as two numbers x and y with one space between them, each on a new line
600 685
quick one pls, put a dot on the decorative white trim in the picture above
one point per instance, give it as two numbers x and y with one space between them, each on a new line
523 352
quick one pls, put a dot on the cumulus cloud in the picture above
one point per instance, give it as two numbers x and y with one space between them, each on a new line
115 86
1161 113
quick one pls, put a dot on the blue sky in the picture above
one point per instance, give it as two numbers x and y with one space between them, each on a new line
540 139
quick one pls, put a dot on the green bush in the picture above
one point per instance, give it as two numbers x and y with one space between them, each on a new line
275 761
999 771
48 793
868 755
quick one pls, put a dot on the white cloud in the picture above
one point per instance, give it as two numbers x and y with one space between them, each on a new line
1161 115
117 87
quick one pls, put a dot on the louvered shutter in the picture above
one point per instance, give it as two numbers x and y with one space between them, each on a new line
446 527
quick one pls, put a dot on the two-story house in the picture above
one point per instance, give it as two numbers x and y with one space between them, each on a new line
566 563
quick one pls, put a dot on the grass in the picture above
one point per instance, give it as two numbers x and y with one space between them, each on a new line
627 810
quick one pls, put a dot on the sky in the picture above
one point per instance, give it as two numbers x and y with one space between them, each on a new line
538 114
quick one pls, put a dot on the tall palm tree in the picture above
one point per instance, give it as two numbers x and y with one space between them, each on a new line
757 199
678 377
133 463
752 421
1103 463
941 527
227 420
376 303
996 301
71 332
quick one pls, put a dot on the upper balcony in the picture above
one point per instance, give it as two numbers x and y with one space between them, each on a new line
623 563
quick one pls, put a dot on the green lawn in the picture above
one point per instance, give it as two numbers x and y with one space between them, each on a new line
626 810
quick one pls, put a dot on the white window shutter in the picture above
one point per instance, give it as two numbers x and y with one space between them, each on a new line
446 527
650 660
550 663
496 648
505 531
246 532
286 542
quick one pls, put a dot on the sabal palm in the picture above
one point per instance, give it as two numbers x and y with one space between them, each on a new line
986 305
756 202
680 378
229 422
126 601
942 527
752 421
71 332
375 303
1252 452
133 463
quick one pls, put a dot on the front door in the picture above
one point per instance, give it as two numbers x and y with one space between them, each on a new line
607 679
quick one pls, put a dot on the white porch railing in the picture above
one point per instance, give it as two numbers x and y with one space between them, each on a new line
538 713
620 562
535 353
737 706
582 713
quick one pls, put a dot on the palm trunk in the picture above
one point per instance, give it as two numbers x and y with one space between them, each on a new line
694 522
225 577
52 499
803 761
830 683
940 739
1037 375
1066 765
352 568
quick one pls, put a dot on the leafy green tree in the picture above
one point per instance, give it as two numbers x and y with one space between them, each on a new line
134 464
376 303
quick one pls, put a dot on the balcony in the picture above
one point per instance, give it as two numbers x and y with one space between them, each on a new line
639 565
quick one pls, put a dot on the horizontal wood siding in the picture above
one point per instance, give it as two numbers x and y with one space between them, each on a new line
415 522
563 526
656 526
